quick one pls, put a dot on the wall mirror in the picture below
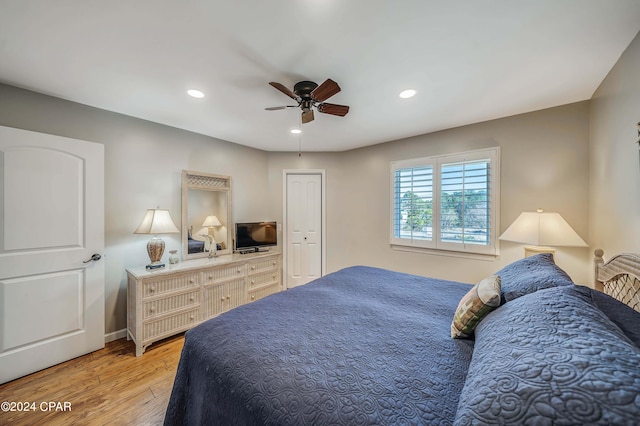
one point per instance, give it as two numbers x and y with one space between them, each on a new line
206 214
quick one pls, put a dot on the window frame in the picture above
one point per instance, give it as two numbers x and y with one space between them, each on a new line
436 162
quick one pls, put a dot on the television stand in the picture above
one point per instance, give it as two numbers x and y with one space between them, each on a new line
252 250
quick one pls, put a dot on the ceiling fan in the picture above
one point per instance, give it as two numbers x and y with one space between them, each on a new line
309 95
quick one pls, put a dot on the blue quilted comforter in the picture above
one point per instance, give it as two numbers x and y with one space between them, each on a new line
553 357
359 346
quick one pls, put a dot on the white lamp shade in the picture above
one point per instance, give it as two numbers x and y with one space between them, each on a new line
542 229
211 221
157 221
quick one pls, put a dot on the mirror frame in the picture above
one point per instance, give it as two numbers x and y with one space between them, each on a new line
204 182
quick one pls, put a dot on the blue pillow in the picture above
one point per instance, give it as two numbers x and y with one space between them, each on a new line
529 275
551 357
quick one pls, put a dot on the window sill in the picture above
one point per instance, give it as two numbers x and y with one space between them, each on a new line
447 253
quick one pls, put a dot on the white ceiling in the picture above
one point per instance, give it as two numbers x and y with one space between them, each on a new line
469 60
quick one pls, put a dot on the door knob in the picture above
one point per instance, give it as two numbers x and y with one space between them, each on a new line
94 258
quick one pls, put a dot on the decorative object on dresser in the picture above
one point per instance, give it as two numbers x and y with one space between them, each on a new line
162 303
540 229
206 214
156 221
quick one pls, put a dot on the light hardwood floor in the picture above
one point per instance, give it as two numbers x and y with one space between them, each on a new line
107 387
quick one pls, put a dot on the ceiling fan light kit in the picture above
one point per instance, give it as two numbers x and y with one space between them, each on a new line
309 95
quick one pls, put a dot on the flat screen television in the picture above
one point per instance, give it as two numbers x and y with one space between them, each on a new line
253 236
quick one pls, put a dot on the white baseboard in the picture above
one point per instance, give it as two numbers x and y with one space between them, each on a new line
120 334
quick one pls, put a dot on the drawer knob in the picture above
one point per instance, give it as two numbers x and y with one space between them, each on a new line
191 280
238 271
210 277
253 282
253 267
152 289
253 297
152 309
222 300
192 298
191 317
273 262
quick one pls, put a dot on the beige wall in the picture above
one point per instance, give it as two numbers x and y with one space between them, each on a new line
614 213
544 165
143 165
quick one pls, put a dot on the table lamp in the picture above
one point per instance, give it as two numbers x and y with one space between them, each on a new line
156 221
211 221
541 229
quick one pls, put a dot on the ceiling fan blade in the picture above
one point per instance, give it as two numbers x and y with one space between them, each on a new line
281 107
325 90
333 109
307 116
283 89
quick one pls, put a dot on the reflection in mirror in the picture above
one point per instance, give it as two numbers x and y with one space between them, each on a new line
206 214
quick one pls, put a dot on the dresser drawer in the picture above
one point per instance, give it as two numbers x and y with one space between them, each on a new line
169 325
261 292
263 279
224 273
161 306
258 266
221 297
160 286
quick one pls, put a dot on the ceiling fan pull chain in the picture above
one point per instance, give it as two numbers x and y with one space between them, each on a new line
300 138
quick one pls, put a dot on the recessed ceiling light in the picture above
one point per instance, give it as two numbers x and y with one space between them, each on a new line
195 93
296 131
407 93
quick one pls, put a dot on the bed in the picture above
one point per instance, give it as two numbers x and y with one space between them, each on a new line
370 346
193 245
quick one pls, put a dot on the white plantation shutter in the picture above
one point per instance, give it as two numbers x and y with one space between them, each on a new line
447 202
413 192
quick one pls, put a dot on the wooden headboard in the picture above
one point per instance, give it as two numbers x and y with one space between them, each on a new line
619 277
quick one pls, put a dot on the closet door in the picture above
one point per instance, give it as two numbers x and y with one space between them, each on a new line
304 236
51 243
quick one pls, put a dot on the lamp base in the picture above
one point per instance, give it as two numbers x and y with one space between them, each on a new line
533 250
155 250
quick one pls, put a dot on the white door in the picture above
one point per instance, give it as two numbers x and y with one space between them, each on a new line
304 228
51 222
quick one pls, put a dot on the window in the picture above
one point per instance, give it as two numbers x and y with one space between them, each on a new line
447 202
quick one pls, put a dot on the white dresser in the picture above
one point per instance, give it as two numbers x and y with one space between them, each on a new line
165 302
